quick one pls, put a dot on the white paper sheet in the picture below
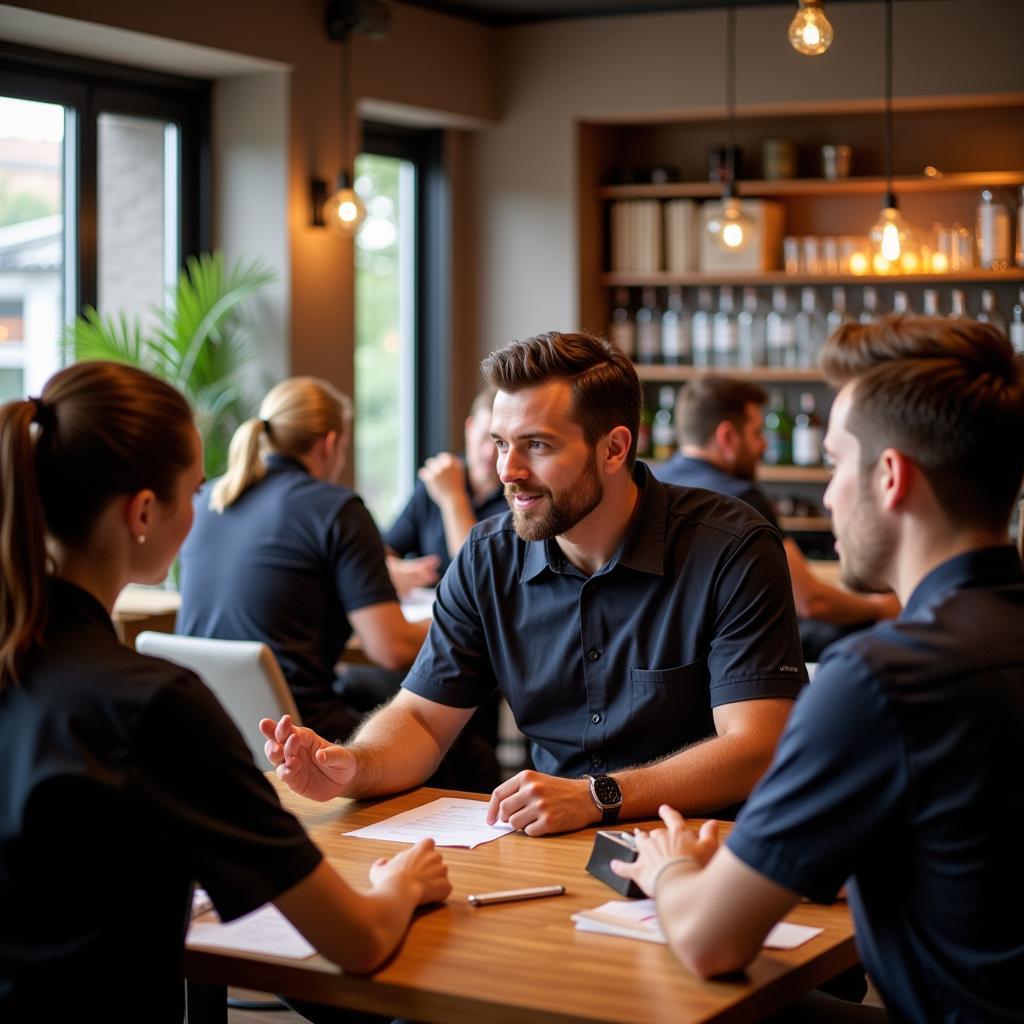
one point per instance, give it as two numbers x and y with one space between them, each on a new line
449 821
418 604
265 931
638 919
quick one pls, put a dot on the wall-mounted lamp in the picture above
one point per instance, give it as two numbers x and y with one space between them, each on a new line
810 32
342 210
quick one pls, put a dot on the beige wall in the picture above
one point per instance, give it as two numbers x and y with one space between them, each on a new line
556 74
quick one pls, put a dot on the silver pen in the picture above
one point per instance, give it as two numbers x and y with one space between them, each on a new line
481 899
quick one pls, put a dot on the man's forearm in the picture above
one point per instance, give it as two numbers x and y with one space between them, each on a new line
393 751
710 775
458 519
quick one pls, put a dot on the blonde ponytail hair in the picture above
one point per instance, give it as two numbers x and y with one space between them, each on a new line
295 414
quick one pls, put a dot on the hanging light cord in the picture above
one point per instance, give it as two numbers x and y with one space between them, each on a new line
730 93
344 79
890 197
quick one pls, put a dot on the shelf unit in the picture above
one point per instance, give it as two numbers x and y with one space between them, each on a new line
806 524
974 142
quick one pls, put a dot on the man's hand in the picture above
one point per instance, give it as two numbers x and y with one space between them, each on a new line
421 864
408 573
444 476
541 804
660 846
306 762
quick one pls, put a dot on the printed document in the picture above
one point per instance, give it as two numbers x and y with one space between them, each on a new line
449 821
265 931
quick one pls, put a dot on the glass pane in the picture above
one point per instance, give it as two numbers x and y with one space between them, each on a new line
138 213
385 318
31 243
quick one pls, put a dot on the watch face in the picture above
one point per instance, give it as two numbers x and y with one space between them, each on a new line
607 790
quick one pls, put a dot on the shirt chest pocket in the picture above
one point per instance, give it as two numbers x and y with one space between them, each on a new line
672 698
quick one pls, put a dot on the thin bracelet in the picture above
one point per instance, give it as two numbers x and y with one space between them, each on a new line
681 859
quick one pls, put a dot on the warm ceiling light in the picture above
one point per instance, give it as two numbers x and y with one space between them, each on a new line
810 32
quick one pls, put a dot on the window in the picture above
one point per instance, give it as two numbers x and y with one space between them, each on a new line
402 358
100 190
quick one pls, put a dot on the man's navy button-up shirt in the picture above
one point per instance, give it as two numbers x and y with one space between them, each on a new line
603 672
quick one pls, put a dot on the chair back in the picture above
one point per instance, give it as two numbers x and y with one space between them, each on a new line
243 674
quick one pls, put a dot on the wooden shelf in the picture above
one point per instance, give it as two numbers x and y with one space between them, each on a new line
960 182
806 524
793 474
657 373
663 279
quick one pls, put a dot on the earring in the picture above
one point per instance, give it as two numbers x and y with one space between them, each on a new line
141 539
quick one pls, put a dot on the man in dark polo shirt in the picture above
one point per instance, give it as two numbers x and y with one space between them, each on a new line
451 496
643 635
720 425
899 771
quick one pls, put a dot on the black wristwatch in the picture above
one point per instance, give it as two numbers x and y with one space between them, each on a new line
605 792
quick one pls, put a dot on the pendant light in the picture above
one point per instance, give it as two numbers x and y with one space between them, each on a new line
810 32
730 229
891 239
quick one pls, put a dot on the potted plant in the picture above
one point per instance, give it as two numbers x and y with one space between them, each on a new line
200 344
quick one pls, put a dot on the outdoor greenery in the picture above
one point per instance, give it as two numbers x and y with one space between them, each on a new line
200 343
19 205
378 337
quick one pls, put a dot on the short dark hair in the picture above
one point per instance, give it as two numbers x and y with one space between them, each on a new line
605 387
947 393
706 401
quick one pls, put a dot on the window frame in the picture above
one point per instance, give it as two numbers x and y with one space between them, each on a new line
91 88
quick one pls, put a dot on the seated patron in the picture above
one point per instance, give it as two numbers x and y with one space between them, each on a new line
104 825
452 495
720 425
643 634
281 552
898 769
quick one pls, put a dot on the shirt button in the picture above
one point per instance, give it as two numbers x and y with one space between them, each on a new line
595 718
594 655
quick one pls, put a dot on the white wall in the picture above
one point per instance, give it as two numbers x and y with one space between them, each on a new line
558 73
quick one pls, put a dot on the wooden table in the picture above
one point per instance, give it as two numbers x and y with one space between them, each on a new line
140 608
522 963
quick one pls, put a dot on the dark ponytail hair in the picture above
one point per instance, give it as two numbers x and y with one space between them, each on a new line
98 431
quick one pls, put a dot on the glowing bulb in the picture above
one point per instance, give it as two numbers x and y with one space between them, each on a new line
940 263
344 210
730 227
810 32
890 237
858 264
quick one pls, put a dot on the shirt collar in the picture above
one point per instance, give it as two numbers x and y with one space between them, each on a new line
69 602
983 567
276 461
642 549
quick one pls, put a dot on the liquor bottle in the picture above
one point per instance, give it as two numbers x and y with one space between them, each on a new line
702 329
837 315
957 304
750 328
778 432
807 433
992 233
726 334
901 302
780 331
622 331
1017 324
648 328
663 431
643 434
990 312
675 331
930 302
1018 251
810 330
869 310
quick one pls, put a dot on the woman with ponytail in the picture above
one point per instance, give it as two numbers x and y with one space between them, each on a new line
104 826
282 553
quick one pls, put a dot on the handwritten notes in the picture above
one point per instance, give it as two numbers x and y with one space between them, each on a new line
449 821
